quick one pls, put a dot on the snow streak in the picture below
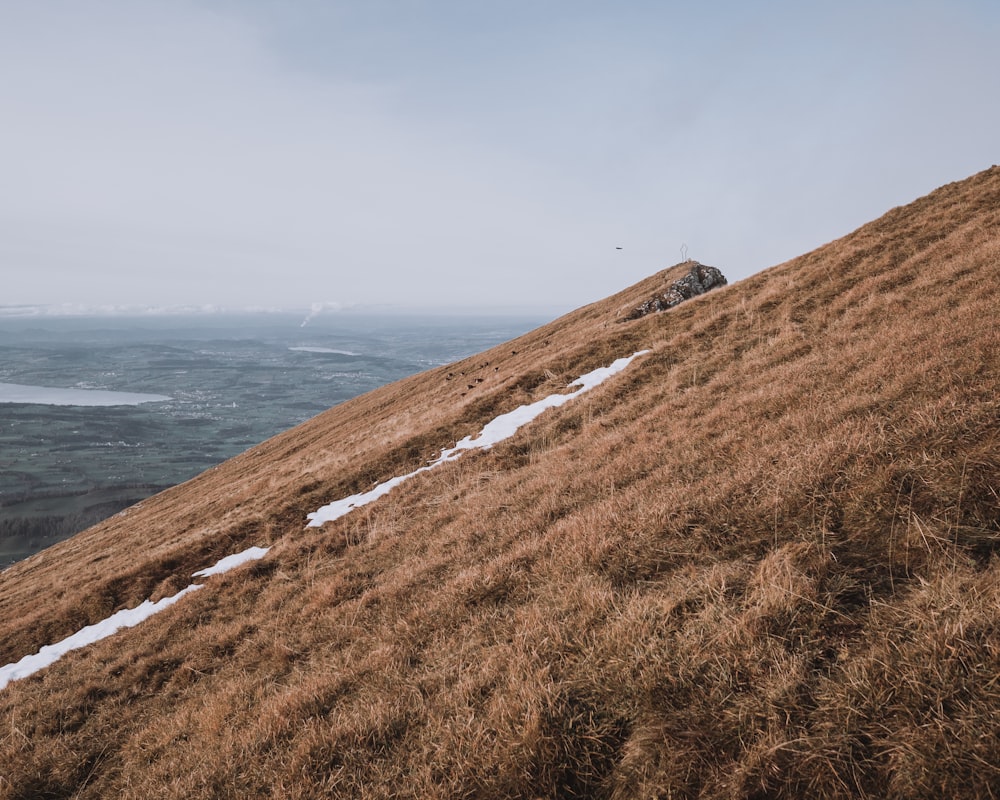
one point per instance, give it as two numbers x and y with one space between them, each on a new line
126 618
503 427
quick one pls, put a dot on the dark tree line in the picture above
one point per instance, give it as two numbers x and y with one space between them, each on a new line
25 535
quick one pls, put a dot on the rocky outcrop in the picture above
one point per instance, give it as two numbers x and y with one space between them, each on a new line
699 280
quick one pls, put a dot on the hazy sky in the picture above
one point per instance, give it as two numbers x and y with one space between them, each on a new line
439 152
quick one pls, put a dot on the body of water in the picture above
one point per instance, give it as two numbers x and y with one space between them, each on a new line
99 413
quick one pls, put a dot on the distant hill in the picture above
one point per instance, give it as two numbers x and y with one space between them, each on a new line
757 562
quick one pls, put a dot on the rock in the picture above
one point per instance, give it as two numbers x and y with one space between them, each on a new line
699 280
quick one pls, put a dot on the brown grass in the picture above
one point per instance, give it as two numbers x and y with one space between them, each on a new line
758 563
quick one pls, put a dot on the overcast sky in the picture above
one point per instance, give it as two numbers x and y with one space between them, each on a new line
457 152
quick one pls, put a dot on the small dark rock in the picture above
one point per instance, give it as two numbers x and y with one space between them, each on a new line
699 280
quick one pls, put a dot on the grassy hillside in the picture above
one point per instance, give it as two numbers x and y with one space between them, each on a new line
758 563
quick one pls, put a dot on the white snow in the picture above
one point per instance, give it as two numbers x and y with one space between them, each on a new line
126 618
503 427
52 396
50 653
232 562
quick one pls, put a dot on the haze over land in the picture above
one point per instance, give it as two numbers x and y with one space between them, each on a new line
453 154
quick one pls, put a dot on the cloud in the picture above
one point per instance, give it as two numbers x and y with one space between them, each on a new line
441 152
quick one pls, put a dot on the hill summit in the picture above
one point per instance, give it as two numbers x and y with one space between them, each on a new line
752 554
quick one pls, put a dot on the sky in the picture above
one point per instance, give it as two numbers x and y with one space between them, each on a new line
454 153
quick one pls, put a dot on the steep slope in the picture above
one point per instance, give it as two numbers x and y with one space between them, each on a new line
758 562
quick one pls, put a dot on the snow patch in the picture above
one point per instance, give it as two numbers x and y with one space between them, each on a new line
126 618
232 562
495 431
50 653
